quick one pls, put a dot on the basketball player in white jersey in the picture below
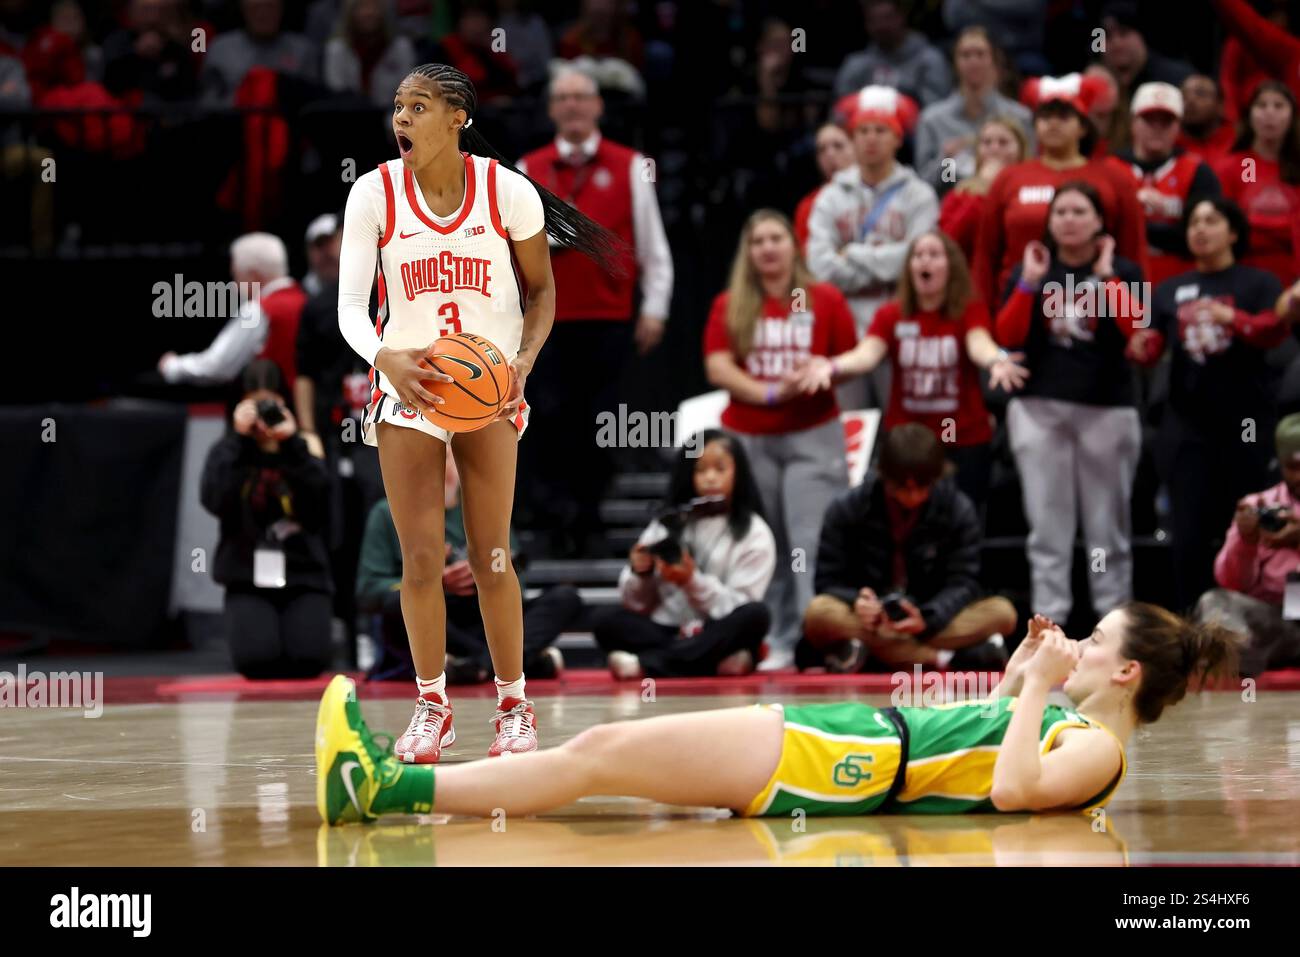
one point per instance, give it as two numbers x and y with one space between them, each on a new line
457 240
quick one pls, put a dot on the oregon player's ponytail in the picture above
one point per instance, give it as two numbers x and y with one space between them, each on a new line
1173 650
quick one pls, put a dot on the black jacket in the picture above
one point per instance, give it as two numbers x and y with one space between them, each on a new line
248 489
942 552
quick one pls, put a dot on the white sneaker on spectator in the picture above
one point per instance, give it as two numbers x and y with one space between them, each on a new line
778 659
624 665
737 663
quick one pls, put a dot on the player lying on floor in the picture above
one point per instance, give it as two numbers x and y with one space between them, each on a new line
1012 752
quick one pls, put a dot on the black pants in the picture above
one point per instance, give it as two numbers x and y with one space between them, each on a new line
278 632
563 473
664 655
545 617
1207 471
973 463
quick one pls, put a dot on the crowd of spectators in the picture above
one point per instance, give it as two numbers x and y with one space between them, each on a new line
1049 248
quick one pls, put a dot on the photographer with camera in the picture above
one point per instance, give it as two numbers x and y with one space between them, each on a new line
270 493
693 586
898 570
1258 566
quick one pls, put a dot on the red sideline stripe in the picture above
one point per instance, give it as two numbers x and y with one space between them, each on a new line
206 410
135 690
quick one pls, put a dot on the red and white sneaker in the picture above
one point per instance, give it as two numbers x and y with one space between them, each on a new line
516 728
428 733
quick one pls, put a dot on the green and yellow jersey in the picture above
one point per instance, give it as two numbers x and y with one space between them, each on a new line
846 758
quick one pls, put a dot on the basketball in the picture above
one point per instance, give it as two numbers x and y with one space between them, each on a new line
482 383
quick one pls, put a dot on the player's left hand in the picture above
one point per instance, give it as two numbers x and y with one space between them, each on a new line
678 574
649 331
518 373
1055 658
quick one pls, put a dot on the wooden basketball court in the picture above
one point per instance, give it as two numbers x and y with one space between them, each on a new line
232 782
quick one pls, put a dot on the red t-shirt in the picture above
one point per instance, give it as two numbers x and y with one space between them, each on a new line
1272 208
1016 212
934 379
782 337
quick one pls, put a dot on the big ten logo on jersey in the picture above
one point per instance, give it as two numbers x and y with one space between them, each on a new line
446 272
779 344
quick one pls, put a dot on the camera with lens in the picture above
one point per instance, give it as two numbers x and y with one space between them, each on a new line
1273 518
270 412
674 519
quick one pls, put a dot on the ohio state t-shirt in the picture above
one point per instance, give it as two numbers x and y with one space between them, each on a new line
934 381
784 336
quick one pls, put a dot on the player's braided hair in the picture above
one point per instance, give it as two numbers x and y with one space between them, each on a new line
565 224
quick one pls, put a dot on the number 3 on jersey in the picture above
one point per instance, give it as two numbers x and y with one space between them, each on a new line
449 313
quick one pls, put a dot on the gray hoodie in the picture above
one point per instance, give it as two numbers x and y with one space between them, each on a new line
865 268
728 573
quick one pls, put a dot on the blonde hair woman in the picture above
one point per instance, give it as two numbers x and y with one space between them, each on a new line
773 318
1000 142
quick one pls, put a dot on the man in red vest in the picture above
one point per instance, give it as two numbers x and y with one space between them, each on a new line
264 325
564 473
1166 177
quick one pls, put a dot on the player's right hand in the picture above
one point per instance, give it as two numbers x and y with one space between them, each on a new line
405 368
640 559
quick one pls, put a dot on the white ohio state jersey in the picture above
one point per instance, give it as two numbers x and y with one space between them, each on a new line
438 275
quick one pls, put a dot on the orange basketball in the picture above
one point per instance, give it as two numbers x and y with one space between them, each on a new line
481 386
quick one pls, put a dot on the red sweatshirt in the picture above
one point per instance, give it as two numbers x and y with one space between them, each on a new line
1016 212
959 217
1273 209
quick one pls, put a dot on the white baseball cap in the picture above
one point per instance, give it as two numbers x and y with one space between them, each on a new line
1158 97
326 224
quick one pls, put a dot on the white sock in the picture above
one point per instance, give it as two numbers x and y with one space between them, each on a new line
437 685
942 657
510 689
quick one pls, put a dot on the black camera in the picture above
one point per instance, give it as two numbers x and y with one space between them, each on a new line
270 412
674 519
893 606
1273 518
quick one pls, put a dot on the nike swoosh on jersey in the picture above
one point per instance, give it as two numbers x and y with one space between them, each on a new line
346 771
409 235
